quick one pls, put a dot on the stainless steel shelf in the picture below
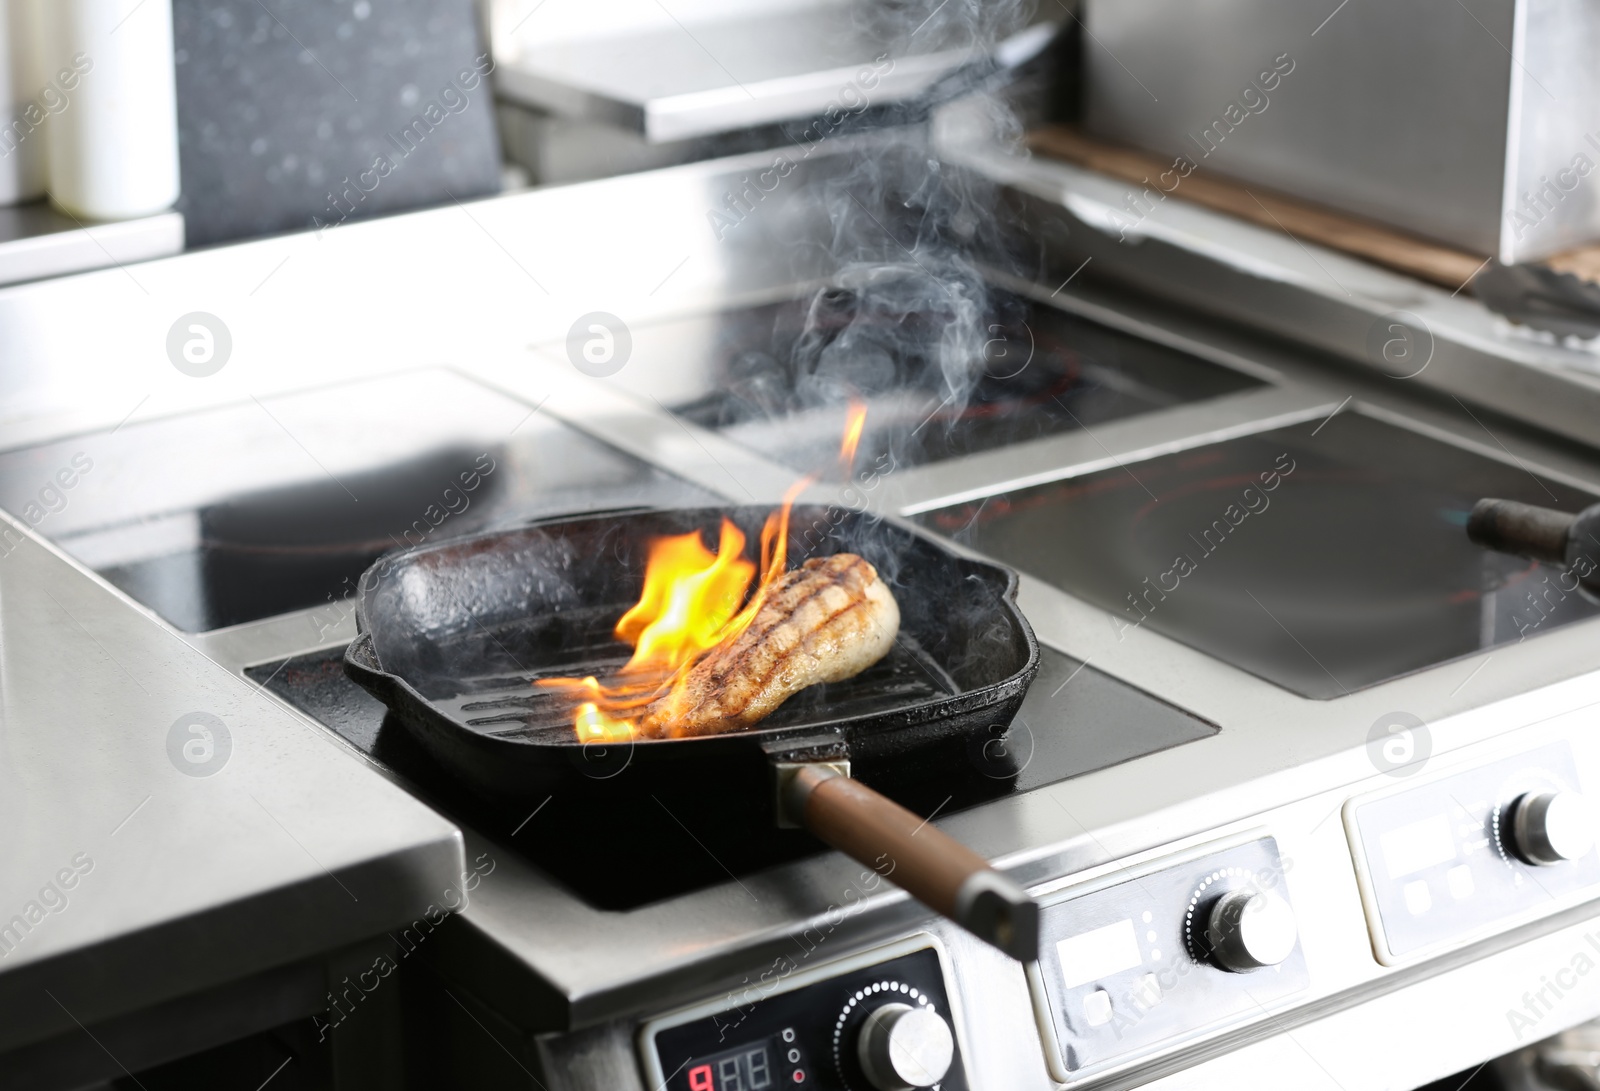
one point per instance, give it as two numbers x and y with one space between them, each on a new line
37 241
675 83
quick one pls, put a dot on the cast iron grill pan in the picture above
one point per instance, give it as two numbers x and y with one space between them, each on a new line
453 634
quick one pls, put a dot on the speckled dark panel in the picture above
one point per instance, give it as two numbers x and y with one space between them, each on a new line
295 113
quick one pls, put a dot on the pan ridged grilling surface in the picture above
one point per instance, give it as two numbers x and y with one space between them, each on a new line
511 706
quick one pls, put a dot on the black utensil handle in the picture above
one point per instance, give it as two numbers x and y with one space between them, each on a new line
922 860
1508 526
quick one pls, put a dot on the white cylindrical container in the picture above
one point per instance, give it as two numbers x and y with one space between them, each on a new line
22 109
113 148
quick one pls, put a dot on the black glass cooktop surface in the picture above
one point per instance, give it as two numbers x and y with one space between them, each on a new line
942 377
634 852
1324 557
250 510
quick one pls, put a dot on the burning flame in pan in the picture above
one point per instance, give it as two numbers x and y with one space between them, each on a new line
852 435
693 600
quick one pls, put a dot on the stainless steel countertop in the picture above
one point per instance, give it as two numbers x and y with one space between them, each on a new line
293 847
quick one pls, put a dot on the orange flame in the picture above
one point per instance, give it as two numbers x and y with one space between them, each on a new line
690 595
693 601
852 434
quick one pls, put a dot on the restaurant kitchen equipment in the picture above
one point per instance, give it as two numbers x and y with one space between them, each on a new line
1501 166
641 94
1293 787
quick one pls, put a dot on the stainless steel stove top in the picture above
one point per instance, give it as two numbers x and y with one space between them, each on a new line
1161 763
1325 556
1095 723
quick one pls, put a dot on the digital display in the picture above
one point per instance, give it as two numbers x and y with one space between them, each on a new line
1418 845
748 1068
1100 953
782 1041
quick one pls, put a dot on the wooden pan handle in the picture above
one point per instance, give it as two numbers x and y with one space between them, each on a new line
915 855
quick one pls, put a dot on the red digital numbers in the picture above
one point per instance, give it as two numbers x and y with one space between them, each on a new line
700 1078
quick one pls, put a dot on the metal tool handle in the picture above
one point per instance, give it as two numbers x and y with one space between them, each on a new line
928 864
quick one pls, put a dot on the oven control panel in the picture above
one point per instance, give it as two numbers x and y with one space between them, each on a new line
1149 958
1470 853
879 1022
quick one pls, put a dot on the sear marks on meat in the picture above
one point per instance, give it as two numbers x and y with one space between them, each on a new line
828 620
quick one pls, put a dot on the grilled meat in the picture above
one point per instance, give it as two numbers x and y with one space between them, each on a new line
827 620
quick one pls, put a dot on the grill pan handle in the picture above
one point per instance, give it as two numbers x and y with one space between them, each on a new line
922 860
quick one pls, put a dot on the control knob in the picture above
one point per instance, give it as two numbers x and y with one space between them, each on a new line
1550 827
902 1047
1249 929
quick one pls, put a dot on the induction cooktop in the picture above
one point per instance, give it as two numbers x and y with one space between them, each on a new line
631 853
254 509
1324 557
779 378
